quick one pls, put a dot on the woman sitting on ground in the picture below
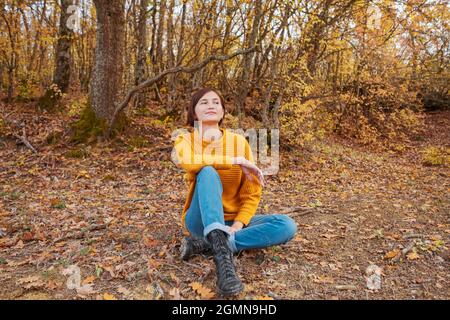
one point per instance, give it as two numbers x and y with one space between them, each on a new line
225 188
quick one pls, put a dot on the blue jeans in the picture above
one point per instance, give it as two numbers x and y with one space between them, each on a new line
206 214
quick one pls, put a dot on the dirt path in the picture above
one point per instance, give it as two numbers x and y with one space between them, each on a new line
114 213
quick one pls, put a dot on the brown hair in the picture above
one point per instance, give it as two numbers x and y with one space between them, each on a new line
194 100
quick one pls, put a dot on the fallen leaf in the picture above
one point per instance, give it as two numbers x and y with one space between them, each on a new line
391 254
412 255
85 290
150 242
89 279
202 291
28 236
19 245
123 291
107 296
323 279
31 282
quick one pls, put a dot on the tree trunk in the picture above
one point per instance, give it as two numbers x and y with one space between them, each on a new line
63 55
159 37
141 64
107 76
244 85
171 98
274 63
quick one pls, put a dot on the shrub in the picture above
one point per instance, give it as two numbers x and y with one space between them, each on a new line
434 156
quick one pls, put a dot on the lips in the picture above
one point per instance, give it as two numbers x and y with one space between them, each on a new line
210 112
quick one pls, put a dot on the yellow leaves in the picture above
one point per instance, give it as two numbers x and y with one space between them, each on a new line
107 296
322 279
82 174
203 292
153 264
413 255
435 238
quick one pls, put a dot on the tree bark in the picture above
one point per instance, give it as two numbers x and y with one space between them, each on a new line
141 64
244 85
61 75
171 98
159 37
107 77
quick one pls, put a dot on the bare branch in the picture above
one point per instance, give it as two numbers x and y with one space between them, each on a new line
122 105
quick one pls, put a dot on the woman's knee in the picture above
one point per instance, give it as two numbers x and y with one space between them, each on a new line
207 171
287 225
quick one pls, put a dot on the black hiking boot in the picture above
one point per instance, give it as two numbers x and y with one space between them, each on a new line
191 246
228 282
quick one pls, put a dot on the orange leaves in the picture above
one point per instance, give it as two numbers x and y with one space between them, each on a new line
89 280
391 254
27 236
203 292
149 241
152 267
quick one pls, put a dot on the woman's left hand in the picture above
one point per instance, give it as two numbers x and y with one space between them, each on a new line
248 168
237 225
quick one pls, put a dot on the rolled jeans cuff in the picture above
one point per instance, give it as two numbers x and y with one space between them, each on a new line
224 228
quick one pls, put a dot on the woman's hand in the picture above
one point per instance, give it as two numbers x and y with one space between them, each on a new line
249 169
237 225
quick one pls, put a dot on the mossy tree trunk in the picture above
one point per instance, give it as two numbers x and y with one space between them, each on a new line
61 76
107 77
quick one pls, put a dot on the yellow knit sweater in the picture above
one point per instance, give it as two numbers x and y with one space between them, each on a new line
240 197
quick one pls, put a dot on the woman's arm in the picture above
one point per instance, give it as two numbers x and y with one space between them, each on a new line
249 193
187 159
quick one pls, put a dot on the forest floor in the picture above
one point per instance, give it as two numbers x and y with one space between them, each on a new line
113 211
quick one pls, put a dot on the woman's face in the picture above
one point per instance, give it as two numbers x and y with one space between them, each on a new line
209 109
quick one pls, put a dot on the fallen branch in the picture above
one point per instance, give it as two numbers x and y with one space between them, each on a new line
301 214
303 211
122 105
24 140
412 236
81 234
404 251
345 287
23 137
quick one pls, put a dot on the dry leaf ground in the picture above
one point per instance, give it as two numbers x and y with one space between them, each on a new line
115 213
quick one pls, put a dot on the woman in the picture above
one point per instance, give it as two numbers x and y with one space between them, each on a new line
225 188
